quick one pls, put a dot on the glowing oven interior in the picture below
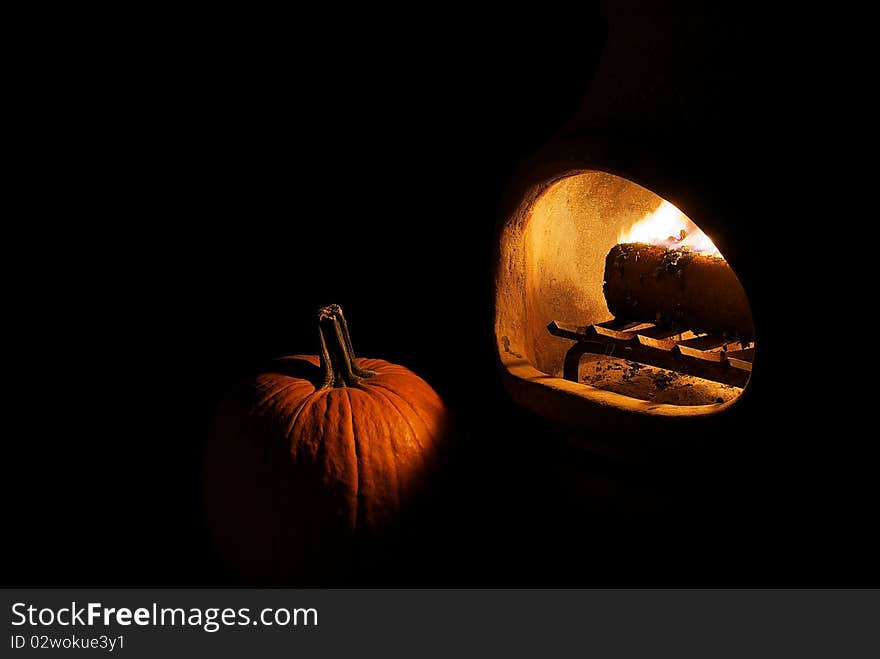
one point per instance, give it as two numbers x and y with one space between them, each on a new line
551 296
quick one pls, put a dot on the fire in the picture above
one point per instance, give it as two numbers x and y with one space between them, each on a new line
668 226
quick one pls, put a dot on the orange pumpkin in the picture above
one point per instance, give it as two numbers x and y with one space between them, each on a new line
315 458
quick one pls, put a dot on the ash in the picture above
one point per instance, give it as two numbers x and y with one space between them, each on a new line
652 384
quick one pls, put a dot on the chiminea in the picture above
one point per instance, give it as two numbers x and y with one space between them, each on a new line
625 279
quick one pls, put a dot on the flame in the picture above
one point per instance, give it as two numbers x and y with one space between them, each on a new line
668 226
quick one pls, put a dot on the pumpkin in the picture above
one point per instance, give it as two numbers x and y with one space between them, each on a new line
317 458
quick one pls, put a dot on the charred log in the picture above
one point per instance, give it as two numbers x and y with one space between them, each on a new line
676 288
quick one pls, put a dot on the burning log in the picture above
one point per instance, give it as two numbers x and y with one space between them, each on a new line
677 288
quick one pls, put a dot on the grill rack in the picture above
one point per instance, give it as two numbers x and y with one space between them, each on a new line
709 356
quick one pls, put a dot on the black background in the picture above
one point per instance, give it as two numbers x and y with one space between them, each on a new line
201 187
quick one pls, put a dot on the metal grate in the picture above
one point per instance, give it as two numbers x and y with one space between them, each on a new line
709 356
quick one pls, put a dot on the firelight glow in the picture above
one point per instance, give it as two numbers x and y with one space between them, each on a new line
668 226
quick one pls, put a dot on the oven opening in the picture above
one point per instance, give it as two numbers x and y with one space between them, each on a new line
624 293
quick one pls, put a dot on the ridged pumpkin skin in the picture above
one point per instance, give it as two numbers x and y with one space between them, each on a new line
298 476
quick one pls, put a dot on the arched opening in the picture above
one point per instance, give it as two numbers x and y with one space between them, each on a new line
607 286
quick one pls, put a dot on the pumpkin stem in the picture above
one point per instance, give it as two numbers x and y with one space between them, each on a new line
338 365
